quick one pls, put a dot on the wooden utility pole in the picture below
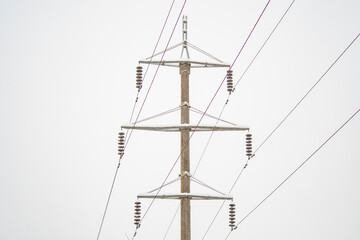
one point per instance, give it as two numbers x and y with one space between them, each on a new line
185 153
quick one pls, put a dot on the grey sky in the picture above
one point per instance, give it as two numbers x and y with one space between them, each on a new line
67 82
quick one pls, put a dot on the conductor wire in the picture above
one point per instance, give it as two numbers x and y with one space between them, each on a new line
262 46
286 118
207 108
156 45
243 74
293 172
177 20
157 69
293 109
132 113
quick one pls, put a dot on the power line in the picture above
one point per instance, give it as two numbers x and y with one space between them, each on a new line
302 164
177 20
156 45
207 108
157 69
288 113
267 39
172 220
217 91
108 200
118 165
298 102
222 110
285 116
292 110
243 74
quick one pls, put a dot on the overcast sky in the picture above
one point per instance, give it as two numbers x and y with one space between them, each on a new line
67 83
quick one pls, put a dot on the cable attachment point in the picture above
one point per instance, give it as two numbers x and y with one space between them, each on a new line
121 143
249 145
185 173
139 77
137 215
229 77
185 104
232 216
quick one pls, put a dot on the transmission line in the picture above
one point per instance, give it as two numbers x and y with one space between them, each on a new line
177 20
207 108
157 69
282 120
227 100
291 174
147 68
136 100
292 110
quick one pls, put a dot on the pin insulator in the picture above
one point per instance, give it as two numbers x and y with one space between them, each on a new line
139 77
229 78
121 143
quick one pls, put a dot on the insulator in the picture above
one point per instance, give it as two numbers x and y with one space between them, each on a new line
232 215
229 77
248 137
248 145
138 77
121 143
137 215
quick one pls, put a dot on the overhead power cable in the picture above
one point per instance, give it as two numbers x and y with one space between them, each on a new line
262 46
280 125
293 172
222 110
147 68
157 69
147 93
108 200
307 93
243 74
136 100
207 108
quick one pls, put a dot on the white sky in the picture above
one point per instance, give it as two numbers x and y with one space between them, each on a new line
67 82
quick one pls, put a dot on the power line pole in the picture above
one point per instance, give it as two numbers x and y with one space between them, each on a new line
185 153
185 64
185 142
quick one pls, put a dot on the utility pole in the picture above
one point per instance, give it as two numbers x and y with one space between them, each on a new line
185 152
185 196
185 142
